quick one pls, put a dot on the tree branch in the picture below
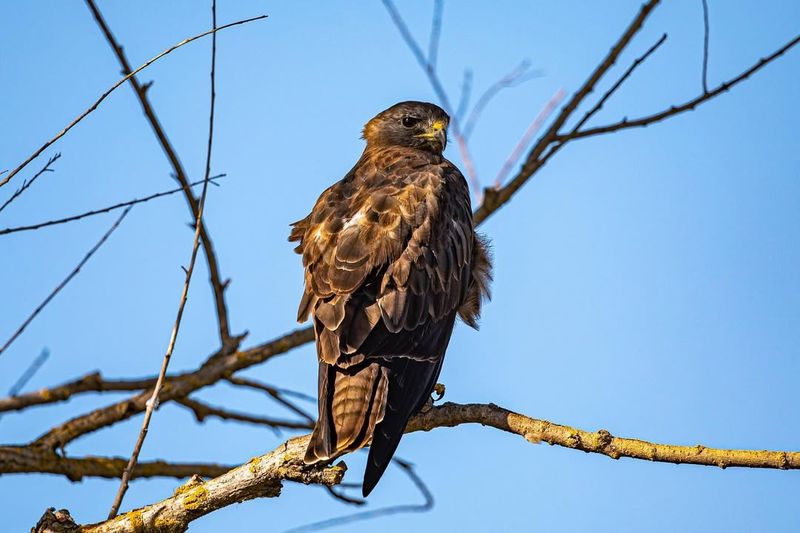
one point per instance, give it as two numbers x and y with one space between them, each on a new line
28 183
218 366
93 382
65 281
276 394
687 106
494 199
25 459
262 476
114 87
215 278
705 46
202 411
108 209
438 88
152 403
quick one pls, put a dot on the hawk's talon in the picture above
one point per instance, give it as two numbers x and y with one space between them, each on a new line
439 389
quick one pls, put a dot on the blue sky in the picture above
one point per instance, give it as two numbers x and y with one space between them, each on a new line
647 282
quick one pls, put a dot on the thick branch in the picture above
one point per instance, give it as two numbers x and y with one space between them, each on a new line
261 477
93 382
601 441
214 369
25 459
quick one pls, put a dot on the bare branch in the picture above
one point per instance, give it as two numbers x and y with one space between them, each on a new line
152 403
276 394
494 199
90 383
599 105
215 278
436 33
26 376
104 209
26 459
342 497
705 46
114 87
202 411
262 476
219 365
66 280
28 183
423 507
520 74
438 88
525 140
682 108
466 90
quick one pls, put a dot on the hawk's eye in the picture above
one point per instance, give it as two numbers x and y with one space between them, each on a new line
409 122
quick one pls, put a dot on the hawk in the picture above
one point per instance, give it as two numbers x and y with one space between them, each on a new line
391 258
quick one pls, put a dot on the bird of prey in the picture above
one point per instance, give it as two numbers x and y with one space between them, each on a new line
391 258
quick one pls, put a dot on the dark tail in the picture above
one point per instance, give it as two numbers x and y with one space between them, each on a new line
410 385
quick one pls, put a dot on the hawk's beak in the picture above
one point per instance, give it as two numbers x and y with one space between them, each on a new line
437 132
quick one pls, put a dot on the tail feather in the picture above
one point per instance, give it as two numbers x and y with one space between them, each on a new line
351 402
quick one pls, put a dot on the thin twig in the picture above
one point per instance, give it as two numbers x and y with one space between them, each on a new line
114 207
202 411
438 88
599 105
408 469
436 33
114 87
26 376
275 394
28 183
466 90
153 402
518 75
686 106
496 198
525 140
229 343
342 497
66 280
705 46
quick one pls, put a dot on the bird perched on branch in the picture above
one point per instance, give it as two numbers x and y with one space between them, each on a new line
391 258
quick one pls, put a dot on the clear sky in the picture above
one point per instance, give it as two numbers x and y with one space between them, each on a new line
647 282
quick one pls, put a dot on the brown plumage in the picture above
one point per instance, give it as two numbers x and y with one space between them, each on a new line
391 258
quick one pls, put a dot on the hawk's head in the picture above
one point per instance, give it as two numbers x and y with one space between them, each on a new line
412 124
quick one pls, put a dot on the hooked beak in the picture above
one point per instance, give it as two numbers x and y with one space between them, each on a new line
437 132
